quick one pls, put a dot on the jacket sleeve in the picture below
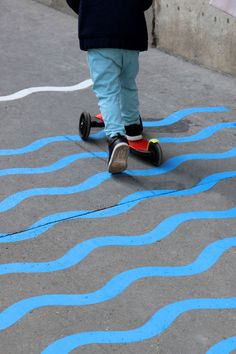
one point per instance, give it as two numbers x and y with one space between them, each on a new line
74 5
147 4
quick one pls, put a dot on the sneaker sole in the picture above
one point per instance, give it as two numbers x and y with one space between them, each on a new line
134 138
119 158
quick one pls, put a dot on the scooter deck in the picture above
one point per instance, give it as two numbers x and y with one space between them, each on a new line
140 145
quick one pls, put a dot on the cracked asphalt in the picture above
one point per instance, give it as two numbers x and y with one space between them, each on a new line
66 243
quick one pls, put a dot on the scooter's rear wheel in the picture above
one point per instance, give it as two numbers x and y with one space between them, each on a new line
84 125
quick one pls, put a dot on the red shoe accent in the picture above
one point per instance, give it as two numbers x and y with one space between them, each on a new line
99 116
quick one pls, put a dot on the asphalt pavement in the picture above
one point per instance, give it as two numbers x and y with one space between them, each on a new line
70 233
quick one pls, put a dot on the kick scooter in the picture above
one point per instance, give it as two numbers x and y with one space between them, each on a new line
149 149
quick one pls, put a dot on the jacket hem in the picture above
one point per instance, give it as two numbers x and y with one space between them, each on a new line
95 43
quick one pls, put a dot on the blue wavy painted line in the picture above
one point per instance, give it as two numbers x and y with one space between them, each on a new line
179 115
175 162
123 206
171 119
38 144
97 179
66 161
226 346
203 134
62 163
158 324
82 250
117 284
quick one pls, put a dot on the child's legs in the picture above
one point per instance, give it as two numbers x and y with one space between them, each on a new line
105 68
129 92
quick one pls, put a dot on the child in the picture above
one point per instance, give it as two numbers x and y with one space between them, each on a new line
113 32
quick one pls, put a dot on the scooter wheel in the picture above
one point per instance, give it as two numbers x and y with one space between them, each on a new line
156 153
84 125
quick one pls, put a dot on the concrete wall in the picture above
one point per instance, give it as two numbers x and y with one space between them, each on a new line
196 31
189 28
57 4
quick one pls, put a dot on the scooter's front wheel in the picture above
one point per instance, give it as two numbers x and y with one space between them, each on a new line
84 125
156 153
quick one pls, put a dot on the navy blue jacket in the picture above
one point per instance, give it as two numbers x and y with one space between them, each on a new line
112 23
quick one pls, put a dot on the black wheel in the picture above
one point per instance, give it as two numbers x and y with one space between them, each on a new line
156 153
84 125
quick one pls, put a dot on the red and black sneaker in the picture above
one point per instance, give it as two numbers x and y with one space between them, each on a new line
118 153
134 131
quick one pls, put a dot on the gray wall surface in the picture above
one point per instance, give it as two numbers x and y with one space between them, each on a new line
198 32
188 28
57 4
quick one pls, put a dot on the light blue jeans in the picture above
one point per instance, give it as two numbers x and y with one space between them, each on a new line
113 72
